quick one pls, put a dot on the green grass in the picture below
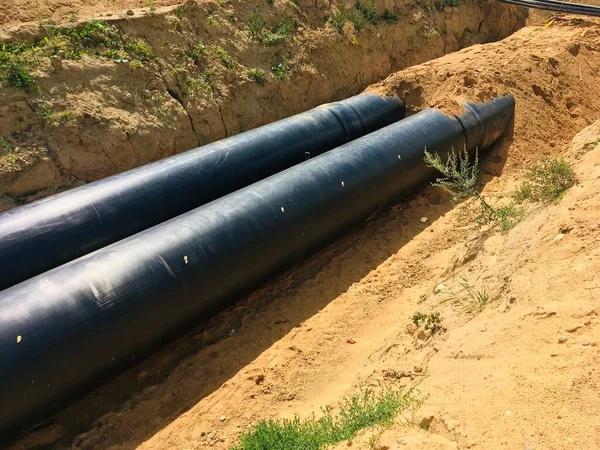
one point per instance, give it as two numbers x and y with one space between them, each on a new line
270 35
281 68
257 75
5 146
355 414
468 298
460 179
201 83
14 71
546 181
95 38
363 13
344 14
221 54
429 32
432 322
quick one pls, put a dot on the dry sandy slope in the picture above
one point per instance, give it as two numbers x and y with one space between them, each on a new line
496 380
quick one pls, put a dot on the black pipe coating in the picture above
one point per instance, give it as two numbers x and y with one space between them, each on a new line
45 234
72 327
558 6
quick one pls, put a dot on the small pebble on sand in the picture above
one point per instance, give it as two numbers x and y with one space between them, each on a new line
424 219
562 339
223 418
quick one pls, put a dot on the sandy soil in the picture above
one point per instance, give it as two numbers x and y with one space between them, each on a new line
492 380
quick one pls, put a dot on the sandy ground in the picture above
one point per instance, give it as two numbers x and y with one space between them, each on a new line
503 378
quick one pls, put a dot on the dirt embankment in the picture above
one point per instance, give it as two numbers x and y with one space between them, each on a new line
160 82
496 379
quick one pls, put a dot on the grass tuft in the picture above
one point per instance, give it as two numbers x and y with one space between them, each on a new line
257 75
355 414
468 297
546 181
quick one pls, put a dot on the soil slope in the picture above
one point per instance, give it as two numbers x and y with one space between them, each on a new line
496 379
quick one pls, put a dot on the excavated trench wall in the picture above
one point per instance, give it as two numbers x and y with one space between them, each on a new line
88 118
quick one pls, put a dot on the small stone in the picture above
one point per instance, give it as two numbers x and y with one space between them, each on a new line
129 12
585 344
559 236
553 354
562 339
439 288
425 422
574 329
424 219
418 369
223 418
508 412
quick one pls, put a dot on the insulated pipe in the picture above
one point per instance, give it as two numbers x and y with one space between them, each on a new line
558 6
45 234
72 327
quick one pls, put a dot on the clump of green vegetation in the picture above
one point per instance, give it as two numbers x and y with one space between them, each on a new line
14 71
355 414
481 3
368 11
151 5
256 23
96 38
276 34
197 52
179 12
211 20
546 181
460 179
359 16
45 110
65 116
440 5
257 75
468 298
429 32
201 83
221 54
281 68
5 146
432 322
344 14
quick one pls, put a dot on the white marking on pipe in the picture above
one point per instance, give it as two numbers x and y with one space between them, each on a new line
19 339
185 259
400 157
342 183
282 209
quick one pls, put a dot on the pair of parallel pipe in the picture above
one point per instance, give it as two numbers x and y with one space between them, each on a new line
46 234
72 327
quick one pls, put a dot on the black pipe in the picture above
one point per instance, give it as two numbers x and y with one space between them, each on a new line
72 327
43 235
558 6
